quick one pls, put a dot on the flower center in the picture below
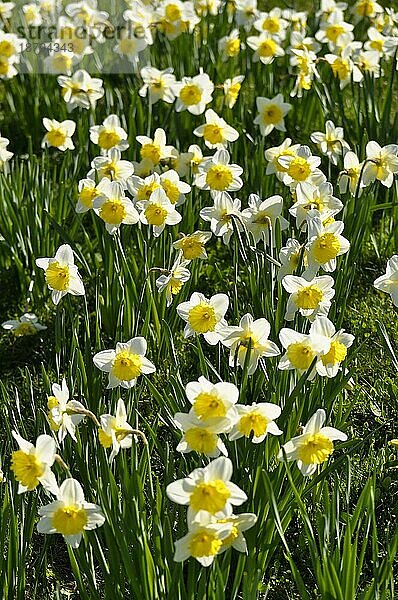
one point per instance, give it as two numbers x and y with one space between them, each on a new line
87 195
208 406
267 48
272 114
233 91
24 329
315 449
253 422
299 169
155 214
377 45
336 354
191 248
341 68
365 8
271 24
309 297
301 355
104 439
27 469
108 139
210 496
326 247
232 47
201 440
172 191
6 48
333 32
145 191
202 318
213 134
112 212
190 94
204 543
69 520
57 276
56 138
219 177
127 366
152 152
173 13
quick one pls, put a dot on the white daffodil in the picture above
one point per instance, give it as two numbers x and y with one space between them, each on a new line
251 335
81 90
261 215
335 32
343 67
319 198
113 207
113 167
203 316
173 280
236 539
229 45
325 244
203 541
389 282
256 420
155 149
5 155
88 190
381 163
301 172
64 414
28 324
141 188
200 436
193 93
193 246
310 298
59 135
273 23
158 211
328 364
223 216
272 155
158 85
62 276
70 514
115 431
216 132
246 13
129 47
217 175
331 143
271 113
175 189
314 446
350 177
212 401
301 350
231 90
289 257
125 364
31 464
367 8
266 48
208 489
109 135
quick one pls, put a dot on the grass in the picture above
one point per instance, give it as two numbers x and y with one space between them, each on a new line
331 536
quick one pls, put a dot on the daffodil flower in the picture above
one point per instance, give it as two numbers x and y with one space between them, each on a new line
61 274
208 489
256 420
32 464
314 446
389 282
70 515
125 364
203 316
